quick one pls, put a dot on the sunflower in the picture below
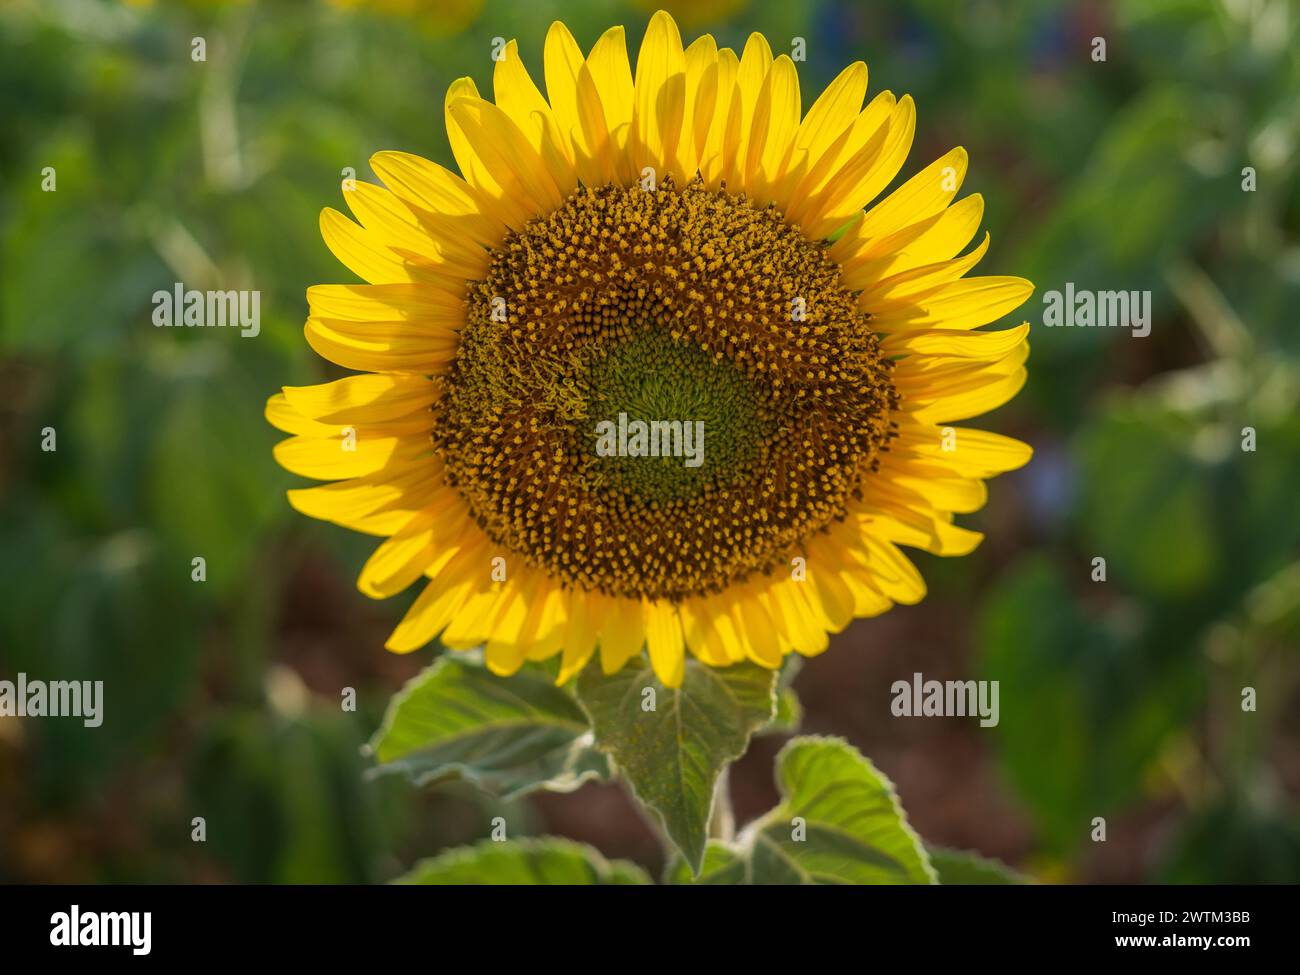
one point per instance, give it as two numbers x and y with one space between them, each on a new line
676 244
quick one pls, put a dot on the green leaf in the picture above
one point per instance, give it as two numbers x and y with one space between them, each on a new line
672 755
524 863
840 823
789 710
789 713
509 735
722 865
958 868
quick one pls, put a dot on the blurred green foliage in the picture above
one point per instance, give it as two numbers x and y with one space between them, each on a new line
1120 700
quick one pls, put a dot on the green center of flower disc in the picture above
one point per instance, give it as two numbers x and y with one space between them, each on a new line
625 309
675 420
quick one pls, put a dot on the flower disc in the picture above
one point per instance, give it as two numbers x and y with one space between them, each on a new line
694 307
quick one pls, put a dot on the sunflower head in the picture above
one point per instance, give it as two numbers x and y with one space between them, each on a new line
646 374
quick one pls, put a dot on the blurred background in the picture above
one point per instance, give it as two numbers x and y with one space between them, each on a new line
1120 700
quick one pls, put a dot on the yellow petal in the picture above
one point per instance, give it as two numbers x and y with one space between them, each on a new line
516 166
402 559
979 452
403 489
659 96
830 117
442 598
387 303
893 573
698 633
586 618
946 341
930 531
771 136
867 599
912 284
476 617
716 133
963 304
362 399
598 161
983 393
863 137
806 637
382 346
506 647
382 213
281 415
519 99
437 193
516 94
924 195
833 596
562 59
936 238
543 631
701 56
506 208
843 561
755 62
611 75
364 253
722 640
938 486
950 540
864 176
663 634
332 459
624 633
750 616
